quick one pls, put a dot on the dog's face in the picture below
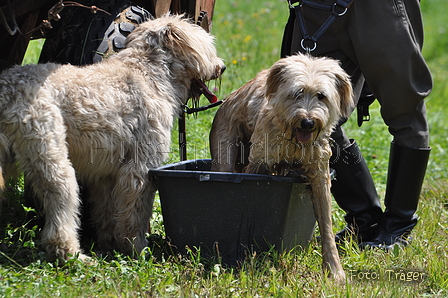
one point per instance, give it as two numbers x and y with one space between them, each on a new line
188 43
310 94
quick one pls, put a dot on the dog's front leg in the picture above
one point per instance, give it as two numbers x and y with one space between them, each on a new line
224 154
322 208
261 159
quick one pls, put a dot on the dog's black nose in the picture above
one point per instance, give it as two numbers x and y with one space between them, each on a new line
307 124
223 68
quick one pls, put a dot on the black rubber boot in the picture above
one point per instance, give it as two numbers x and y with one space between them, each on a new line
407 167
355 193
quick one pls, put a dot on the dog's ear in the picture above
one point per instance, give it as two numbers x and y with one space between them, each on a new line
145 39
177 40
274 78
167 36
153 39
162 37
345 91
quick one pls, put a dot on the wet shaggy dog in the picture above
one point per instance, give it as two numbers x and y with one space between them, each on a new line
282 120
104 126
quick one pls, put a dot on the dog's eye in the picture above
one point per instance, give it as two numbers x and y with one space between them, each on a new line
298 94
320 96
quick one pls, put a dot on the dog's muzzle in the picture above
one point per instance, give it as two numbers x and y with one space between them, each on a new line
223 68
202 87
307 124
305 131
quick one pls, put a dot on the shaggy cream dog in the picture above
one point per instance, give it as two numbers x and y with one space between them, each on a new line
104 126
282 120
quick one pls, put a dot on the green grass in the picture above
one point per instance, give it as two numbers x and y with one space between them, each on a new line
248 37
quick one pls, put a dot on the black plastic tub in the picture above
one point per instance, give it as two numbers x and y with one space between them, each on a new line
232 214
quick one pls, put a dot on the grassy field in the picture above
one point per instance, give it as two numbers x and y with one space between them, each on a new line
248 37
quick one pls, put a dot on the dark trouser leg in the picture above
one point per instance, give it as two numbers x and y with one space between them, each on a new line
399 78
407 167
354 190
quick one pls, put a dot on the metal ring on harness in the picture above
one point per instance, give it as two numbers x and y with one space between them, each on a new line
308 49
342 13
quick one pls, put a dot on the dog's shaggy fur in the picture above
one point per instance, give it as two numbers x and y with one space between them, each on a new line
282 120
104 126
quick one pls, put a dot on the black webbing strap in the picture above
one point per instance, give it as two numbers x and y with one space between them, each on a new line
189 110
337 9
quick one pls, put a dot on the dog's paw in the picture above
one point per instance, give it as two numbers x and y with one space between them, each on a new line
335 272
339 277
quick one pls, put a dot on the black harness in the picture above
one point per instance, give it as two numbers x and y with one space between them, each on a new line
337 9
309 42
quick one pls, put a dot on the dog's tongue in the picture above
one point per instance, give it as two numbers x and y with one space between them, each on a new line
303 136
212 98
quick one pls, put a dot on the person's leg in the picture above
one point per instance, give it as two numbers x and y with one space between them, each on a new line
390 59
407 168
353 189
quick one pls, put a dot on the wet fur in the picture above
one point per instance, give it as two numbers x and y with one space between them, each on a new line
258 128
